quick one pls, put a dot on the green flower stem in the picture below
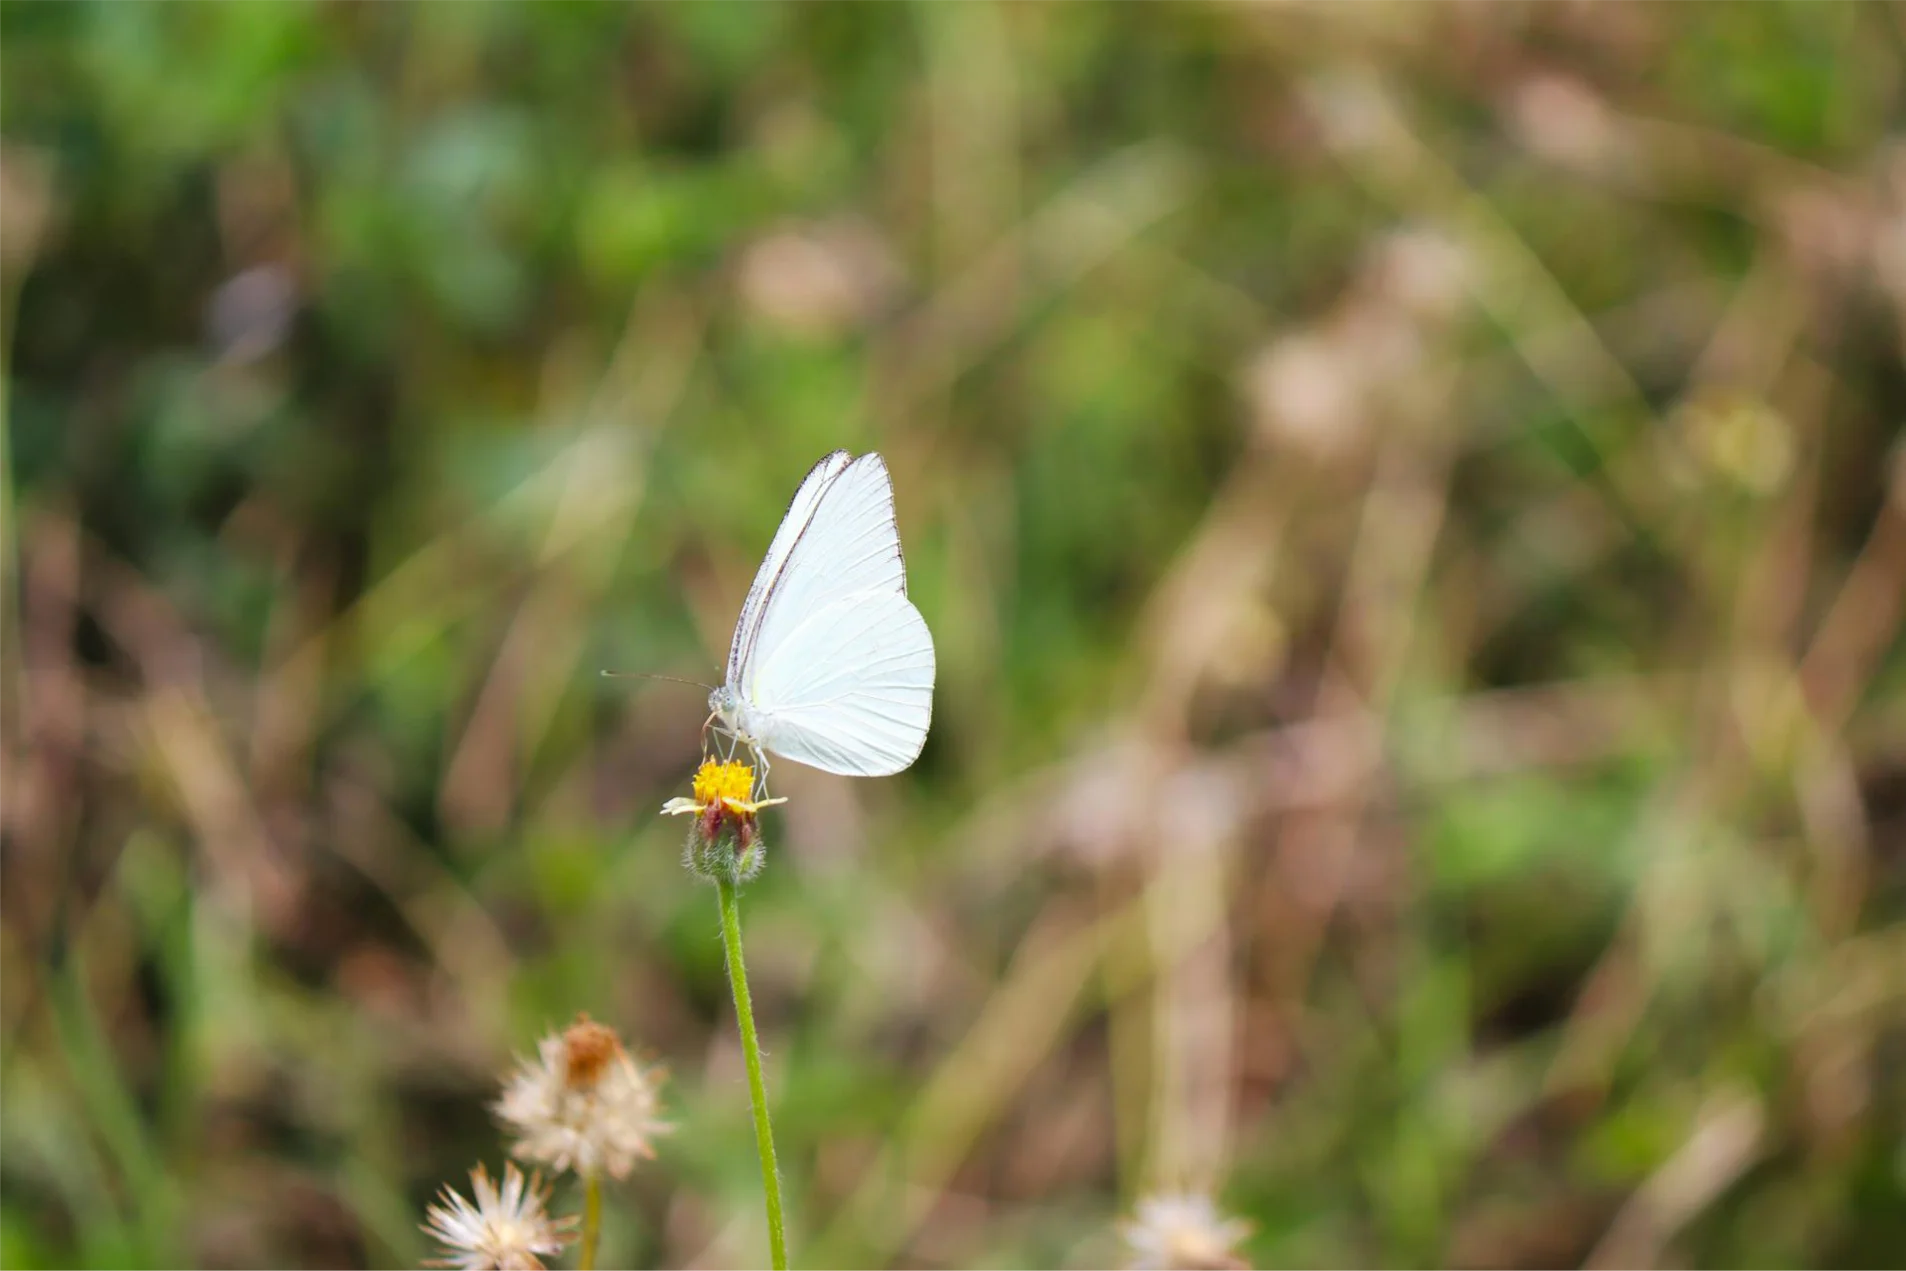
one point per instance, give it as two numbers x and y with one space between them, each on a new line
591 1221
757 1089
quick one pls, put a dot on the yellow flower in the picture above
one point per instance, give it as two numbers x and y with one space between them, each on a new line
725 840
721 784
731 780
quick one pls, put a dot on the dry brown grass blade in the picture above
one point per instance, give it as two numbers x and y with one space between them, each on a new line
538 660
1727 1137
43 711
1864 617
1079 229
1024 1018
601 477
182 733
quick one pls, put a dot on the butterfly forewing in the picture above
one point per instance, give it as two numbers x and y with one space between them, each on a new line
800 511
846 543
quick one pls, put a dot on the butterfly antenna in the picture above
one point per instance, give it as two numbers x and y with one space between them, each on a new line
644 675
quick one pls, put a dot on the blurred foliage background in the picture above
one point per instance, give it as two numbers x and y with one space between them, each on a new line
1408 498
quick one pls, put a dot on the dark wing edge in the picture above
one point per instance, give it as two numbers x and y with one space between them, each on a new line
762 596
748 624
893 514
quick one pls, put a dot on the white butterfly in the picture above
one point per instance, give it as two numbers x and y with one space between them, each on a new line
831 664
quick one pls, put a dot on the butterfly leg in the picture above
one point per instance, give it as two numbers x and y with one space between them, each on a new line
761 784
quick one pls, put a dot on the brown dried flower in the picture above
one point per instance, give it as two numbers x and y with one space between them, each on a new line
583 1104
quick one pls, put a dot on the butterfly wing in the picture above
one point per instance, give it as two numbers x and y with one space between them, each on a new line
793 523
850 688
838 538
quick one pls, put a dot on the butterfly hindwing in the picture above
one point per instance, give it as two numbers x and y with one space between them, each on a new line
850 688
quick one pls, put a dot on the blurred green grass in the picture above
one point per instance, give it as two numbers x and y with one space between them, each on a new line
1409 502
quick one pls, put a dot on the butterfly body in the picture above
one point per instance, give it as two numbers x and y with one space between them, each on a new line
831 664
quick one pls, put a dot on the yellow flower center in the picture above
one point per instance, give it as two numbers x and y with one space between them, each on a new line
716 780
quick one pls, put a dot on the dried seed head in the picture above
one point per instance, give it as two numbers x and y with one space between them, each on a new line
508 1228
583 1104
1183 1230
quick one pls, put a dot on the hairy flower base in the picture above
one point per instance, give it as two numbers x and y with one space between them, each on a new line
508 1228
724 841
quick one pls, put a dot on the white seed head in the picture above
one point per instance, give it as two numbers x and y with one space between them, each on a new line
508 1228
583 1104
1183 1230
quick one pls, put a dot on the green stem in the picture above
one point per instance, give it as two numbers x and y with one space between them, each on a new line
591 1221
751 1049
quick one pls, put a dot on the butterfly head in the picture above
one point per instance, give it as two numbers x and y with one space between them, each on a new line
732 717
724 705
